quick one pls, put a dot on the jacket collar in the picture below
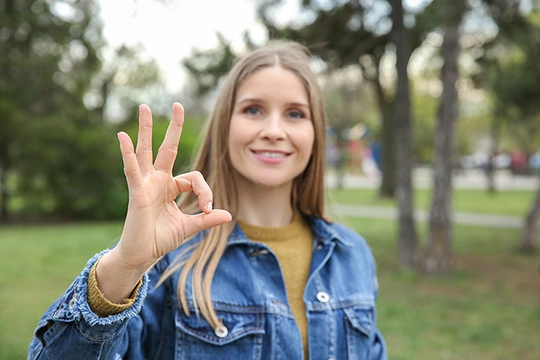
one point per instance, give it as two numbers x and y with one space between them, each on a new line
323 232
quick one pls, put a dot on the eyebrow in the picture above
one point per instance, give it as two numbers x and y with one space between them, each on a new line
256 99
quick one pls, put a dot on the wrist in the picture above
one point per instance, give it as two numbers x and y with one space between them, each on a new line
115 279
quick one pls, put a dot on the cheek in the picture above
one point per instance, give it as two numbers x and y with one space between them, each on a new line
237 141
308 140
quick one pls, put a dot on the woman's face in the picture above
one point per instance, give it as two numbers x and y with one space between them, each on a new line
271 134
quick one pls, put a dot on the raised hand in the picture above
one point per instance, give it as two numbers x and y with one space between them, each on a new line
154 224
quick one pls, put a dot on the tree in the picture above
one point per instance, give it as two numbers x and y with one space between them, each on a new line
49 56
511 25
438 258
407 235
208 67
510 70
516 89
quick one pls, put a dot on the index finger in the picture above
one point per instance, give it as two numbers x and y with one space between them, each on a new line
194 181
169 147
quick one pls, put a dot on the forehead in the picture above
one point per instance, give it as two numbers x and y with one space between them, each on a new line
273 82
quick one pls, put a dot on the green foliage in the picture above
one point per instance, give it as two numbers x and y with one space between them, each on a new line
70 172
51 59
59 157
424 109
509 70
208 67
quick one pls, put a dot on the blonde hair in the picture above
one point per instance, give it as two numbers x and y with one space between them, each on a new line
214 163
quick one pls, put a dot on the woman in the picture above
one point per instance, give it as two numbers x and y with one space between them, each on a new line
269 277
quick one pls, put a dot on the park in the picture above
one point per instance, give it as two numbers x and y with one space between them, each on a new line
432 153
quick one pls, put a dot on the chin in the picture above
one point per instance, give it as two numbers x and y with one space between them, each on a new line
273 184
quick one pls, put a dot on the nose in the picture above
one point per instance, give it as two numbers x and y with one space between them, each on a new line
273 127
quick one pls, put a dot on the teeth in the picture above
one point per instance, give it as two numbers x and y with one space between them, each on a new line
272 154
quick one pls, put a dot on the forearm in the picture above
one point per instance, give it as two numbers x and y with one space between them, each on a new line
116 280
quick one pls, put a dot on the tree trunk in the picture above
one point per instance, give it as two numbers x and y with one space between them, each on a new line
388 180
530 229
490 168
438 258
3 196
402 115
4 166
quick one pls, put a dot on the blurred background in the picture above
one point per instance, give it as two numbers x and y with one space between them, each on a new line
433 146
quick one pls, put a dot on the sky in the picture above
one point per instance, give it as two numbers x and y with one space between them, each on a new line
170 32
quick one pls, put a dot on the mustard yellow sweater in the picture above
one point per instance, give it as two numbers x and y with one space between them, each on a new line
292 245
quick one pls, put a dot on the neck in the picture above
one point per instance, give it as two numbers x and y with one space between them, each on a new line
262 206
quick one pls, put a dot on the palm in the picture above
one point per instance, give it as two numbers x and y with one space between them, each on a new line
154 224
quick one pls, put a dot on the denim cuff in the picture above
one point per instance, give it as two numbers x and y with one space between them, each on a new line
74 307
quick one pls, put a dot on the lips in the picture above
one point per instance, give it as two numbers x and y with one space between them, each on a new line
271 154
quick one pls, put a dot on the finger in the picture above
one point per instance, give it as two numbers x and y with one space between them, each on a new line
203 221
131 165
194 181
169 147
144 139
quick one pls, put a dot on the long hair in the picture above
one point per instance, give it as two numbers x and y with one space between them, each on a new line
214 163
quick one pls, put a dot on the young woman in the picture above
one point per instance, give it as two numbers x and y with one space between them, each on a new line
269 277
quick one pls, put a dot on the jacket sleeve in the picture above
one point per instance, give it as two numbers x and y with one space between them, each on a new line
69 329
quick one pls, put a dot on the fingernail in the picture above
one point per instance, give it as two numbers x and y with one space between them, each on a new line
209 206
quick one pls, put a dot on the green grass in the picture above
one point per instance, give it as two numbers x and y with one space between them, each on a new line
38 264
489 308
514 202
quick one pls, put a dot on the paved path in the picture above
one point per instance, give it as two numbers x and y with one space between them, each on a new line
465 179
422 178
473 219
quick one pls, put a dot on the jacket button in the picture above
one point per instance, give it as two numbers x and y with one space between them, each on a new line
221 331
323 297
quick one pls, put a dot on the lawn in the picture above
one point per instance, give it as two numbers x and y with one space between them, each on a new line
38 264
502 202
489 308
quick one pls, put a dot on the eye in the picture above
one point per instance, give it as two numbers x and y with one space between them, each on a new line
252 110
297 114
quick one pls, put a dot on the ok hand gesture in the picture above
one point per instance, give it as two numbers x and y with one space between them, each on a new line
154 224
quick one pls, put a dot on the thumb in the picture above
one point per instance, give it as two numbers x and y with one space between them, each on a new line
203 221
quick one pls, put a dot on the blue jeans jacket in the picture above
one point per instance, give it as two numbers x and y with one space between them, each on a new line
249 296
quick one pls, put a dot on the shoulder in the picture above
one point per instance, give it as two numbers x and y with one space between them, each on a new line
350 241
331 230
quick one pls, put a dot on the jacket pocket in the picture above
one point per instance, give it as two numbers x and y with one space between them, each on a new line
239 338
360 325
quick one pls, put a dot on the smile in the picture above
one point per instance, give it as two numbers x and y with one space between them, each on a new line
271 154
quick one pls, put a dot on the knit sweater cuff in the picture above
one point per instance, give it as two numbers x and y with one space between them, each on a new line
99 304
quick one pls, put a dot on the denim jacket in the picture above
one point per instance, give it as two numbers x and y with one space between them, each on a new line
249 296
